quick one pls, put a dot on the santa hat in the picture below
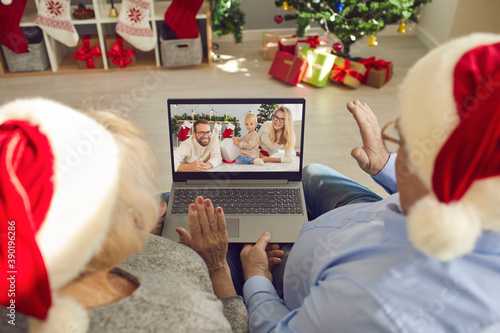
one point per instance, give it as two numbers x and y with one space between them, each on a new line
58 186
450 119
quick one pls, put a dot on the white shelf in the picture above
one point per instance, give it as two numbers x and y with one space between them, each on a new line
60 55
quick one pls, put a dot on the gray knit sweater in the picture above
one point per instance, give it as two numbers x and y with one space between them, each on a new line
175 295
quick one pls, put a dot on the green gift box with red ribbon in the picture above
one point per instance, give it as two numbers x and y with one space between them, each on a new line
378 72
347 72
88 53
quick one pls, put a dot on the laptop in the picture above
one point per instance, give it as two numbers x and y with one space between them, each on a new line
255 198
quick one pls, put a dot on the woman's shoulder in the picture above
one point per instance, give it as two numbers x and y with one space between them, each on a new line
163 252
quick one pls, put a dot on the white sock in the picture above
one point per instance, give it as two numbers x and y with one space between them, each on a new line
133 24
54 17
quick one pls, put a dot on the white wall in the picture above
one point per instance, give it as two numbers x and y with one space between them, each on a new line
436 20
442 20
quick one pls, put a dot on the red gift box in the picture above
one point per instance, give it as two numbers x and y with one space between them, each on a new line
288 43
378 72
288 68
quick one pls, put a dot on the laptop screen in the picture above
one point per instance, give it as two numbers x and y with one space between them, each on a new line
270 136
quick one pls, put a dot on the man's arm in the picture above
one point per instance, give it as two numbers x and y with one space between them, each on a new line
321 311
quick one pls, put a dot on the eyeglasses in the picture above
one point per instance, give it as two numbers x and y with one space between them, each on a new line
278 119
391 137
202 134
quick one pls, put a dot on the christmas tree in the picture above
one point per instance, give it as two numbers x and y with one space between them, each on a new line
227 18
351 20
266 113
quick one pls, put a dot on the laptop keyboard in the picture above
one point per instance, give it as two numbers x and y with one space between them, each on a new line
242 200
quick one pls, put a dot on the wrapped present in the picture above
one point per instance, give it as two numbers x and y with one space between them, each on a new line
319 66
229 151
120 52
347 72
287 43
88 53
269 44
288 68
314 42
378 72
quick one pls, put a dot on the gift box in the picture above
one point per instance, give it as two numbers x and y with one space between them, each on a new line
88 53
288 68
319 66
229 151
347 72
34 60
287 44
120 52
269 45
378 72
314 42
180 52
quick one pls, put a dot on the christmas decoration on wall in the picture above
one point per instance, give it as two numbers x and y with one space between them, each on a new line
266 112
278 19
54 18
227 18
220 120
351 20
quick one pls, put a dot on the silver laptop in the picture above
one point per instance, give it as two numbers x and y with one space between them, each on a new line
255 198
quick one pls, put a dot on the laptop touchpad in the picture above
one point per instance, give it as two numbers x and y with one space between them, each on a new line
233 227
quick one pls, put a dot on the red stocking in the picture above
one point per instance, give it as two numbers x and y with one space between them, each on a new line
228 131
183 132
181 17
10 34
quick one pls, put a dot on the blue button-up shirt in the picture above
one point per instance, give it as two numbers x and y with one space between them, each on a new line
353 269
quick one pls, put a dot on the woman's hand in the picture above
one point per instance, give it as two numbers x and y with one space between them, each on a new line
210 240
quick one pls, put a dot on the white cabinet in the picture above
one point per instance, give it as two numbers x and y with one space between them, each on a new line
102 25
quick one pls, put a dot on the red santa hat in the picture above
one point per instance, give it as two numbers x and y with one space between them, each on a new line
58 186
450 119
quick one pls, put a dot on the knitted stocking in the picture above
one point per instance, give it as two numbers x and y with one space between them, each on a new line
181 17
133 25
10 34
54 17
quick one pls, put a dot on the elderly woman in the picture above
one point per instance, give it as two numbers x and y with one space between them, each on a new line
77 206
277 134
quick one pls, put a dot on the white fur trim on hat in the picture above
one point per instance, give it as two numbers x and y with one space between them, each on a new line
65 315
443 231
86 176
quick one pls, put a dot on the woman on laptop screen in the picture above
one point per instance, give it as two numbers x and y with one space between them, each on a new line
277 134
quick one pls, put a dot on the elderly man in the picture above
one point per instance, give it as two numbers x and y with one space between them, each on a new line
426 259
200 152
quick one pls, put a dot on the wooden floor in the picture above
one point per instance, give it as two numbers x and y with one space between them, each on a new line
141 96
